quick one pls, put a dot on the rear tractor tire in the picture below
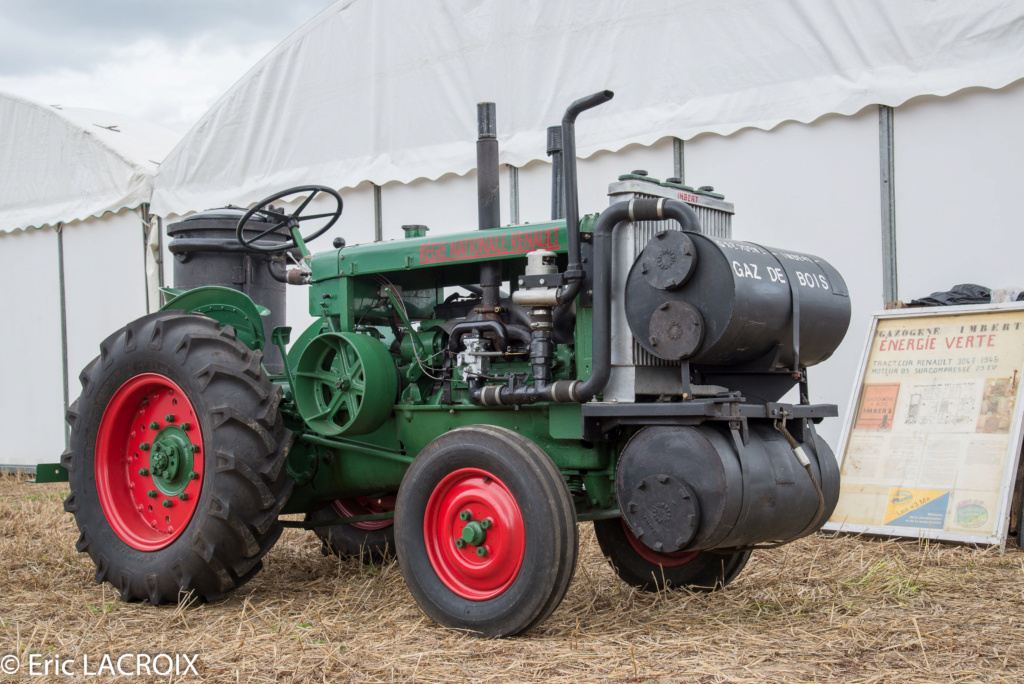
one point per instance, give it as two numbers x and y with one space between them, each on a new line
486 531
176 460
650 570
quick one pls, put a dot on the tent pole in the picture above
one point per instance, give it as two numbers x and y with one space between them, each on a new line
63 327
887 169
378 218
146 228
678 161
513 194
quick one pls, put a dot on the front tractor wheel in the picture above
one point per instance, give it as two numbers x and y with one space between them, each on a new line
176 460
486 531
650 570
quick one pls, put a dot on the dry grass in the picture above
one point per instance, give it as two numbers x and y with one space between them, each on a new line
821 609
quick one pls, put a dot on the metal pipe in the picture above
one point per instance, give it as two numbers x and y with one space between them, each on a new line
633 210
63 327
378 214
513 195
577 390
488 197
557 180
574 271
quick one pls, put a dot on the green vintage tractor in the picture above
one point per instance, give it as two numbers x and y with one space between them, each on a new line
462 402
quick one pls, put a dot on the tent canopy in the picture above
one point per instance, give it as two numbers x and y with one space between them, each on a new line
386 91
62 164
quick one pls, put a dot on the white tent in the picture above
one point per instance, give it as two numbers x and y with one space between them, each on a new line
74 224
828 123
384 91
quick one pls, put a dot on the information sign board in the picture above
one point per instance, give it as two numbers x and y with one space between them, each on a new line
931 446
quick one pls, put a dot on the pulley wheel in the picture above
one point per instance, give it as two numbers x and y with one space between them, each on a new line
345 384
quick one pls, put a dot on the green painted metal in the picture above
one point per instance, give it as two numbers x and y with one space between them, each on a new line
171 460
50 472
345 384
227 306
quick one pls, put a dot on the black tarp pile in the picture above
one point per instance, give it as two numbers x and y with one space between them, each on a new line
959 295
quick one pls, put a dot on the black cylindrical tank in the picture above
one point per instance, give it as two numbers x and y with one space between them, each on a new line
206 253
683 488
723 302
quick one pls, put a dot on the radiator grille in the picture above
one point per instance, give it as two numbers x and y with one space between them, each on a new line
715 219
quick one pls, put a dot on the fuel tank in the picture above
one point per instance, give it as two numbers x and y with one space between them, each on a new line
688 488
713 301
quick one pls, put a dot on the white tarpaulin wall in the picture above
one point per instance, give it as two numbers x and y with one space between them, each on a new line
384 90
74 183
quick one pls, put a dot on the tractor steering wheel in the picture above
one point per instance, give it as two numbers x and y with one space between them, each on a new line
283 223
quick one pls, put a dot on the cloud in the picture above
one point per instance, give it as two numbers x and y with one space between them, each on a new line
165 60
42 35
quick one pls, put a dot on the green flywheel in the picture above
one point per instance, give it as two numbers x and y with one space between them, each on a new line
345 384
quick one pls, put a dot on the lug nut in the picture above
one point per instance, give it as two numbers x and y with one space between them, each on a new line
193 475
466 515
183 496
194 448
481 551
151 493
144 446
459 543
143 472
154 425
186 426
168 503
169 417
486 523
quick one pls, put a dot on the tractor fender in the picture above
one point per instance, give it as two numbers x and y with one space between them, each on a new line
224 305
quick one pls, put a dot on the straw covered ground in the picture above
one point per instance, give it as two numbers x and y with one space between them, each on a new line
821 609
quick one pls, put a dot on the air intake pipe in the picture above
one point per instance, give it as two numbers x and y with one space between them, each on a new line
574 272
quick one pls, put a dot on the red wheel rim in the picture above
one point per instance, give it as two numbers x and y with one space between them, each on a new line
666 560
363 505
452 527
149 462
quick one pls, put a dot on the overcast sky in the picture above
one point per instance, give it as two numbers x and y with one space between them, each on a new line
166 61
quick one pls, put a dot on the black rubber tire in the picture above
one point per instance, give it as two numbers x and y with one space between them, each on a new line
549 519
245 484
347 541
708 571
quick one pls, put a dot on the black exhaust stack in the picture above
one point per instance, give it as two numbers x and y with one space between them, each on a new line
488 199
557 182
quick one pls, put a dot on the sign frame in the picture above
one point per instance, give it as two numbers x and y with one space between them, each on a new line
1012 456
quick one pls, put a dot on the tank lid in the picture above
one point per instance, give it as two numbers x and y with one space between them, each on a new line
228 213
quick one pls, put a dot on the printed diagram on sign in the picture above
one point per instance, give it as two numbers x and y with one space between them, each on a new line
997 405
945 404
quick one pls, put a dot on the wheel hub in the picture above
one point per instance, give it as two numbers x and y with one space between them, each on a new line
475 534
148 467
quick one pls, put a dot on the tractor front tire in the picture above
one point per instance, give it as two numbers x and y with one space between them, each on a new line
176 460
486 531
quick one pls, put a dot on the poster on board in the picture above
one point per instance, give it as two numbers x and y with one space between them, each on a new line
930 447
